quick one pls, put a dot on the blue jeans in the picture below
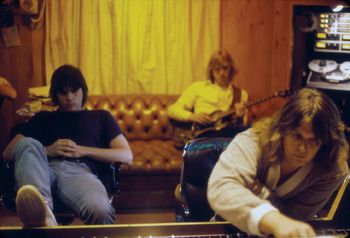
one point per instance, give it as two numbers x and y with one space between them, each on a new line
73 182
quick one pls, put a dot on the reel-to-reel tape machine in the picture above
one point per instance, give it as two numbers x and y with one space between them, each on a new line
321 53
329 74
329 67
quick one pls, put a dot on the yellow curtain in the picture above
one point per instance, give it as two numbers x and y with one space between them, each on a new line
133 46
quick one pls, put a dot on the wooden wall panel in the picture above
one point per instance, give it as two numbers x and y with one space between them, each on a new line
247 28
6 111
281 46
259 35
18 66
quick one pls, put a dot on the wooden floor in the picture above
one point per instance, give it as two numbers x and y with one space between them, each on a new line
9 218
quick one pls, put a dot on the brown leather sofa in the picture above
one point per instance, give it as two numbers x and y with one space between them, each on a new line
150 181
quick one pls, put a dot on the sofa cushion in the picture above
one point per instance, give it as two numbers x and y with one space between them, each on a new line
140 116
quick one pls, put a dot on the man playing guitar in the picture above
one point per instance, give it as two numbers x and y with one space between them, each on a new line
201 101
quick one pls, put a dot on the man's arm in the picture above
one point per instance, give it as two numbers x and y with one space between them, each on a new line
241 108
279 225
232 193
182 109
7 154
119 150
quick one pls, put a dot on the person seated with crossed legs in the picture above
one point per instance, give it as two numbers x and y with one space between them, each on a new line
282 171
203 101
60 151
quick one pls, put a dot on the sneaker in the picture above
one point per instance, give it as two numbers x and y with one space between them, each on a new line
32 208
50 219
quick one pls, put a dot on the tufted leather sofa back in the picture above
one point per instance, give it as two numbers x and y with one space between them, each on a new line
140 116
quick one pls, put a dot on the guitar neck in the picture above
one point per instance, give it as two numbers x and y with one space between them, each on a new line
261 100
249 105
255 102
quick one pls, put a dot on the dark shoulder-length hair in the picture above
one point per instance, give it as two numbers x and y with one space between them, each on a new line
67 77
219 58
328 128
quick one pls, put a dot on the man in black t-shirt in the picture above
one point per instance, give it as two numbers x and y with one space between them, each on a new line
58 152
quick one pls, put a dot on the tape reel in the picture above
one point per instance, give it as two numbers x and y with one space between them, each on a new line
336 77
323 66
345 68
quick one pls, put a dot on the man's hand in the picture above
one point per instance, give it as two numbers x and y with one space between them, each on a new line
279 225
201 118
240 109
64 147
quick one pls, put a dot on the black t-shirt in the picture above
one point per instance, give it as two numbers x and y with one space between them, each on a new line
95 128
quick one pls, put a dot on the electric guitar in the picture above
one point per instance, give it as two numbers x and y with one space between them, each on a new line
185 131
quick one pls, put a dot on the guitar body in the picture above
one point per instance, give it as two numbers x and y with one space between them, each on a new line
184 131
220 122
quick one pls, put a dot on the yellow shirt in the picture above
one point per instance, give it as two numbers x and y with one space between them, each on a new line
203 97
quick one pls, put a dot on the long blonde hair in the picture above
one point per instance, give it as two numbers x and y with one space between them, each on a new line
326 122
221 57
